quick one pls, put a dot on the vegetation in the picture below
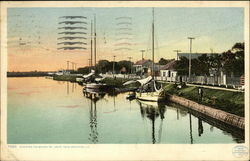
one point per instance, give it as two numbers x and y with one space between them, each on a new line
104 66
230 62
27 74
118 82
232 102
163 61
65 78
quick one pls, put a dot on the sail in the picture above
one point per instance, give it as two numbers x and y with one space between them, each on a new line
141 81
145 80
129 82
89 75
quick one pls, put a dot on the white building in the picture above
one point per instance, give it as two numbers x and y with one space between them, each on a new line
168 73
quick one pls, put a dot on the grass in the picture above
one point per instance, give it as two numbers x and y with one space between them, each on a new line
65 78
232 102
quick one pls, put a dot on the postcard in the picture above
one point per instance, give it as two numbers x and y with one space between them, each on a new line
125 80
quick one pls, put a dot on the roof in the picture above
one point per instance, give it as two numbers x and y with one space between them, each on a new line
143 61
169 65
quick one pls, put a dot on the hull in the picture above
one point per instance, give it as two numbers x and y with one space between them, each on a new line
79 79
149 96
95 86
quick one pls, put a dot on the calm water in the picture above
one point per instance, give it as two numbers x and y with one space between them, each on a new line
46 111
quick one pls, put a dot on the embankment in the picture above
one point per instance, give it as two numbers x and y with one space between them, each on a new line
188 97
228 101
223 116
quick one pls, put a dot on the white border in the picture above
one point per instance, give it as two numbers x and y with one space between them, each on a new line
121 151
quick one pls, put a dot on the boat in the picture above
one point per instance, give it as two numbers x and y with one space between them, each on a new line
131 96
93 80
148 90
96 86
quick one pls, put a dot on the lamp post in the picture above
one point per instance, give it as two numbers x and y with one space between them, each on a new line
190 57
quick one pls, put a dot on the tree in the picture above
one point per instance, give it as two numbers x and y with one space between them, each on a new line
83 70
182 66
233 60
124 64
103 66
163 61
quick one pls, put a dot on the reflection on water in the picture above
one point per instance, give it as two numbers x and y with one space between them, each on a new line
93 95
152 110
47 111
190 125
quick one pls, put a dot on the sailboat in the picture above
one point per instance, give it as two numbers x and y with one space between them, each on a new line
93 80
148 90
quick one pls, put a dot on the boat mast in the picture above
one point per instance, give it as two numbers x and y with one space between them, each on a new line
91 45
153 57
95 40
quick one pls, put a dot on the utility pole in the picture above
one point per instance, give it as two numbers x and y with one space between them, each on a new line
190 57
75 66
67 65
130 64
114 66
72 63
89 64
142 51
177 52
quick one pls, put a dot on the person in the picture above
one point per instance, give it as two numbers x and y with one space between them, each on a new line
200 92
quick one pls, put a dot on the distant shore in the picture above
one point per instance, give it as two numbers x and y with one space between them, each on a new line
27 74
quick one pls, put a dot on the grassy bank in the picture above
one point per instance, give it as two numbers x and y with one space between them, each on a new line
27 74
232 102
65 78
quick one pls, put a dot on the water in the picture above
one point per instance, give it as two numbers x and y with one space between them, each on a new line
42 110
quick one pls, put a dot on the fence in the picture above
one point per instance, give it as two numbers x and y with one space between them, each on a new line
207 80
223 80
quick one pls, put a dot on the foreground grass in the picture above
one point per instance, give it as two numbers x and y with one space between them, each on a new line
232 102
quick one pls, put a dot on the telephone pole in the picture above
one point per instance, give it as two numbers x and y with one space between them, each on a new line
90 64
190 57
72 63
177 52
142 51
114 66
67 65
130 64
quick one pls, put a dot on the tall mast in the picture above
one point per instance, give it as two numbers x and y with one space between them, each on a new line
153 57
95 39
91 45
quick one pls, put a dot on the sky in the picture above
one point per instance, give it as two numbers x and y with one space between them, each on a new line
215 29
